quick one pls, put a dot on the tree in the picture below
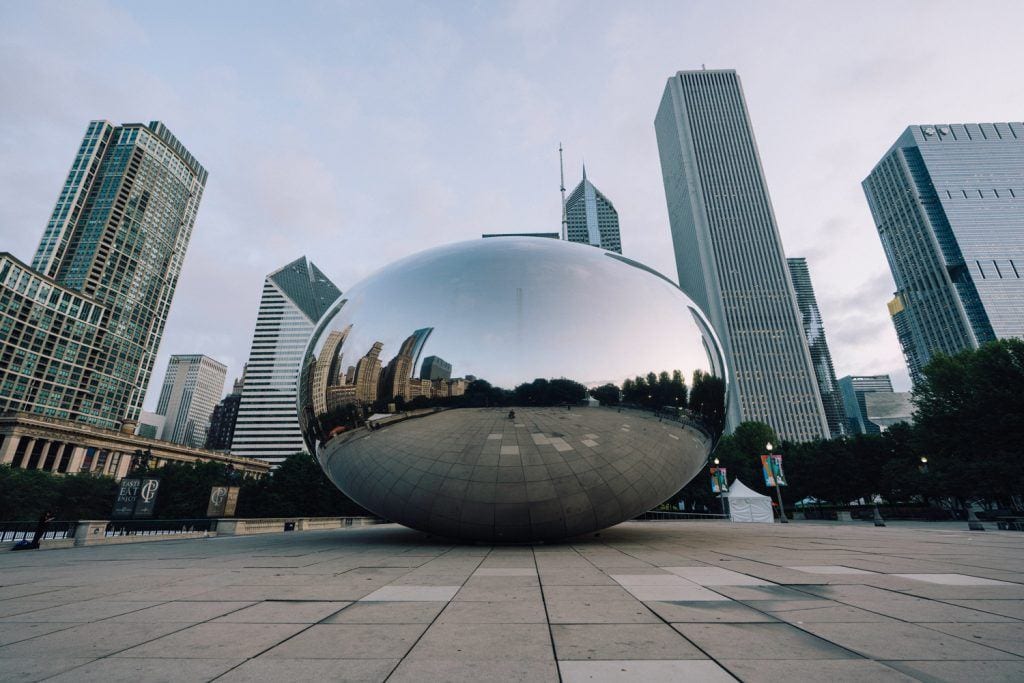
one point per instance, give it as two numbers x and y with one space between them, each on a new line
297 488
606 394
970 417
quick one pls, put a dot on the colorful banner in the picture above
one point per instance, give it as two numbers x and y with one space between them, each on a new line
771 466
719 482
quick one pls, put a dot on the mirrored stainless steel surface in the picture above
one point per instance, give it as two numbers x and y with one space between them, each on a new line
451 391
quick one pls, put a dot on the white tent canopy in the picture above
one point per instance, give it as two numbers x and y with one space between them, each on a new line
746 505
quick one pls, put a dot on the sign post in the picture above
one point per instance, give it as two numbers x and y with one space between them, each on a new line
771 466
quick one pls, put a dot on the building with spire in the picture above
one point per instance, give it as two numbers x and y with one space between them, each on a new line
80 328
294 298
591 218
729 255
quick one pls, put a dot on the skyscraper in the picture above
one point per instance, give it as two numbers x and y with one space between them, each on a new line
223 418
948 203
111 252
294 298
192 385
853 389
591 218
821 358
729 255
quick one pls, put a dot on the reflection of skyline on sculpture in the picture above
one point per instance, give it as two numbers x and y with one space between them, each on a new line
513 389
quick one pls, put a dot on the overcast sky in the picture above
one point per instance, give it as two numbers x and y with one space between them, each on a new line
356 133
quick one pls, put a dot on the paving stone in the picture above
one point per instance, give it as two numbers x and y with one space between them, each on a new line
955 580
299 612
813 671
503 612
474 671
275 670
91 610
716 576
388 613
619 641
899 641
708 611
26 669
193 612
1006 637
629 671
760 641
350 641
163 670
15 631
215 641
484 642
957 672
830 569
412 594
90 640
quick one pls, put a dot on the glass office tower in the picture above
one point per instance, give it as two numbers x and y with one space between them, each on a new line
591 218
117 237
294 298
729 255
948 203
821 357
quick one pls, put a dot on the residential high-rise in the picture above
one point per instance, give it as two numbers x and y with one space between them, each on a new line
294 298
948 203
729 255
192 385
112 251
591 218
821 358
853 389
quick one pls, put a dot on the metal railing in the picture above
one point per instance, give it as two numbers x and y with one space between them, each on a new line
158 527
668 515
25 531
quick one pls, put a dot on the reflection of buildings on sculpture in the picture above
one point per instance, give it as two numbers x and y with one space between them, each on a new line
326 370
396 377
367 374
435 368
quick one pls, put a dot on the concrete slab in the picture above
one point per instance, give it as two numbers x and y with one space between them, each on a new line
956 580
412 594
388 613
629 671
760 642
716 576
162 670
350 641
619 641
214 641
284 612
275 670
900 641
814 671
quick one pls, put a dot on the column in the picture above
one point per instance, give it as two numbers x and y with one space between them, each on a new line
123 466
77 456
50 457
64 459
30 444
35 457
7 448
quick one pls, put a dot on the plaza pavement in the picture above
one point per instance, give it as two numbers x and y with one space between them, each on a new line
649 601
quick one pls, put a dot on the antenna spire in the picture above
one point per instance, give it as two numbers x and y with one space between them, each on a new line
561 171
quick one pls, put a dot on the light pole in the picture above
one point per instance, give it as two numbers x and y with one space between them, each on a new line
923 467
778 490
721 494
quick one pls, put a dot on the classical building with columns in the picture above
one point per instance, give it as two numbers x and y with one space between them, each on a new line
36 442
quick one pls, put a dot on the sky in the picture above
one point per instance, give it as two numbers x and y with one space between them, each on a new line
357 133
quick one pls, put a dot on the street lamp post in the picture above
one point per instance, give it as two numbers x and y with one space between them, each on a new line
721 495
778 491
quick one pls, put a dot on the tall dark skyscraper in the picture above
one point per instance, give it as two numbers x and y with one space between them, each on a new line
591 218
948 203
821 358
109 259
729 255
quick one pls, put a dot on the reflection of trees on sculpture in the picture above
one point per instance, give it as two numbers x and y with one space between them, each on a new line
656 390
707 400
555 392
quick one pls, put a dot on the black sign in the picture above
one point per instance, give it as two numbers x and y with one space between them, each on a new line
136 497
127 495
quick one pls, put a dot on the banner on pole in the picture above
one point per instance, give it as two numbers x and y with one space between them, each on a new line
719 482
771 466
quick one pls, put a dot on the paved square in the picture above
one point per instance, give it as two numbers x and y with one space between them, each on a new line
653 601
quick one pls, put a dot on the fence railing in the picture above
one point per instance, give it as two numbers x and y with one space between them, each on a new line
158 527
667 515
25 531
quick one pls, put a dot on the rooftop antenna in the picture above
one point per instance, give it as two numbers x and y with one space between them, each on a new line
561 171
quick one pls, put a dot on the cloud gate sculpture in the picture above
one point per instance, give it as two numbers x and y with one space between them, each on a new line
510 389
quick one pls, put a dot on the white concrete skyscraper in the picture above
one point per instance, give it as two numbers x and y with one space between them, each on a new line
729 255
294 298
192 387
591 218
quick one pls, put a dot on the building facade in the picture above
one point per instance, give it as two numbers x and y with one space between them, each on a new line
435 368
191 388
821 357
728 253
591 218
948 203
294 298
35 442
853 389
